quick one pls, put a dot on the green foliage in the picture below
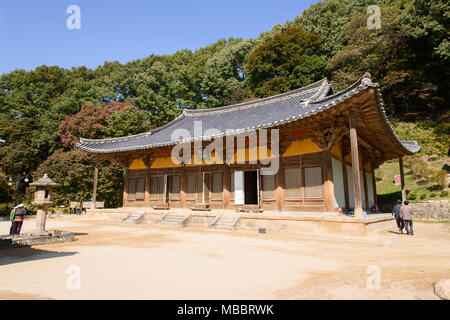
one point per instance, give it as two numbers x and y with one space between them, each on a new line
292 59
74 171
424 179
115 119
433 136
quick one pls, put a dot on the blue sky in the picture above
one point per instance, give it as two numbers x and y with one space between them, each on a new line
33 33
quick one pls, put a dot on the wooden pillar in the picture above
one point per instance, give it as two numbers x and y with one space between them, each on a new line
344 177
147 189
279 181
402 179
226 186
328 185
125 188
366 193
183 188
94 191
374 185
355 165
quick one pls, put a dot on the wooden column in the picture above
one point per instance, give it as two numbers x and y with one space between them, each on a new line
94 191
226 186
366 193
374 185
147 189
183 188
355 165
279 181
328 185
402 179
344 177
125 188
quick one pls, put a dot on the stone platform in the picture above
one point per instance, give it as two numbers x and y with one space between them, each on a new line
29 239
271 221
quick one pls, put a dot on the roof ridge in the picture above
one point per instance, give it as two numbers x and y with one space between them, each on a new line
148 132
322 84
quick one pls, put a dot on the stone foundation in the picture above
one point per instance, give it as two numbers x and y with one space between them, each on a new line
30 239
272 222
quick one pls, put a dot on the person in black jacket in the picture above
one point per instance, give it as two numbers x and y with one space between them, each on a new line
396 214
19 213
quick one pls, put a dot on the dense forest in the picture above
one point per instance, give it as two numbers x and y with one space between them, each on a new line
44 111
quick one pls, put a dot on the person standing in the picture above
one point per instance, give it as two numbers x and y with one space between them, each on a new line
396 214
19 212
406 215
11 218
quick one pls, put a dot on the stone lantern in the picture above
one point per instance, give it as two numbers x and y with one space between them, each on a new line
42 199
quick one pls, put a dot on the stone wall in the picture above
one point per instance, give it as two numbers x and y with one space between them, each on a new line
432 210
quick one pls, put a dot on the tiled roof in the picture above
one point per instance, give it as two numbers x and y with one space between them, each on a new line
239 118
44 181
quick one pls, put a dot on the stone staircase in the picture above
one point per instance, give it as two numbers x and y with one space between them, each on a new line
176 220
225 222
133 218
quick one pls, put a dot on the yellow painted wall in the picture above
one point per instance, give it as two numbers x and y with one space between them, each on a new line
301 147
137 164
164 162
336 151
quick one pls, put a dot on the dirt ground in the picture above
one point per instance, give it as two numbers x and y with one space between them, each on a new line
111 260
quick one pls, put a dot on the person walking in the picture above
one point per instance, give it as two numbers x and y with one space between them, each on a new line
19 212
406 213
396 214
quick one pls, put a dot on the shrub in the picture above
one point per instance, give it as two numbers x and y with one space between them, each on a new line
432 195
421 170
443 193
439 179
423 196
412 196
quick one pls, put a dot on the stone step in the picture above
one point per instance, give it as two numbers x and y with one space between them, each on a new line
173 219
133 218
226 222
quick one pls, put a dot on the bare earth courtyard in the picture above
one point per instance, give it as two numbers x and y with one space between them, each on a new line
146 261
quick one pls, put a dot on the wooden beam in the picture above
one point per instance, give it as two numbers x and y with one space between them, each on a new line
183 187
125 188
344 177
364 181
355 166
279 191
328 185
374 185
147 189
94 190
226 186
402 179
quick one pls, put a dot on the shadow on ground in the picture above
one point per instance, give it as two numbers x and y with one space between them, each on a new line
15 255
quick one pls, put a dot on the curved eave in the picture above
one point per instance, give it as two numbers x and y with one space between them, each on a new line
409 147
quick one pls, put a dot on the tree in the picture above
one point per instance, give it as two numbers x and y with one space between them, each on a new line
74 171
115 119
292 59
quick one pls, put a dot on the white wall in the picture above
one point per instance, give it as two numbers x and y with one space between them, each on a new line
338 180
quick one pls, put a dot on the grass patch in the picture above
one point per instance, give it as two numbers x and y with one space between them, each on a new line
419 187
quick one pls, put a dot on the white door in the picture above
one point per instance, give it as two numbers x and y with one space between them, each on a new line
239 187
